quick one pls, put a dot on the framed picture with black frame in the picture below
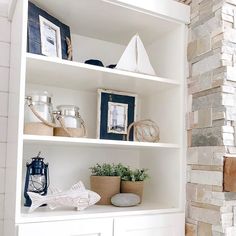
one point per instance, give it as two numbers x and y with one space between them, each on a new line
46 35
115 112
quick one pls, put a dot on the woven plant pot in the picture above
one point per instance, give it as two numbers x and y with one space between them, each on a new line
133 187
106 187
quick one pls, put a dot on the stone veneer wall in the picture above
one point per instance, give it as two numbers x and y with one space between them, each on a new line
211 118
185 1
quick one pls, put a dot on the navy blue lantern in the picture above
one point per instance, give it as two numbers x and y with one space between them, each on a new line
37 178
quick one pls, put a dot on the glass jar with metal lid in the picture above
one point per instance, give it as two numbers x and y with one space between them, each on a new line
72 124
39 119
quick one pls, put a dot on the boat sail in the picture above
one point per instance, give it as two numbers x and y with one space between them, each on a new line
135 58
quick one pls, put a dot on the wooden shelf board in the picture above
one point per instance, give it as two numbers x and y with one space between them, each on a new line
44 214
88 142
79 76
115 21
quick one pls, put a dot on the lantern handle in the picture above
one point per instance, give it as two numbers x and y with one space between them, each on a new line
62 123
47 176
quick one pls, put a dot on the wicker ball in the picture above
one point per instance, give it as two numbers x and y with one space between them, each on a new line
145 131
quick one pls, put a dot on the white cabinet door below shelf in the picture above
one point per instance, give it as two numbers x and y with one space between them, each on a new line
100 227
150 225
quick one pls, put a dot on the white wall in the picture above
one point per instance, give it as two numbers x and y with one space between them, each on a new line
4 79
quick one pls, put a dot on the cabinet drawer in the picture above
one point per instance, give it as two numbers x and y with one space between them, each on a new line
100 227
150 225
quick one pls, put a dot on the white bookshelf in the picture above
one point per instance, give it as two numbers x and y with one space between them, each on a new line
88 142
43 215
101 31
65 74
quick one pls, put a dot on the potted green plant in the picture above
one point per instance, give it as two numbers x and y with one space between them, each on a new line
132 181
105 180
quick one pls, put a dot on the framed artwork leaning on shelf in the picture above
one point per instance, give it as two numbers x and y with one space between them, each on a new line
115 112
50 38
47 35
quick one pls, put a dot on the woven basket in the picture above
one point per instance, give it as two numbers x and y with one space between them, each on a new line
38 128
74 132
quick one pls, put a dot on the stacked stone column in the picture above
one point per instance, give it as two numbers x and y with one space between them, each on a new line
185 1
211 118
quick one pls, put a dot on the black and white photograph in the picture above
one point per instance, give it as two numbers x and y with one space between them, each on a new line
50 38
117 118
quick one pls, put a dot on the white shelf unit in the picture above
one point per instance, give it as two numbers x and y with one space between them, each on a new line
97 143
91 77
101 30
96 211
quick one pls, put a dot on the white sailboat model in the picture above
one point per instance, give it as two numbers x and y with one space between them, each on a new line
135 58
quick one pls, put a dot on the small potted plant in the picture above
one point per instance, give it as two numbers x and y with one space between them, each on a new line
132 181
105 180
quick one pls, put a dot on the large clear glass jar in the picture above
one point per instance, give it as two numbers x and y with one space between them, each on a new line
42 104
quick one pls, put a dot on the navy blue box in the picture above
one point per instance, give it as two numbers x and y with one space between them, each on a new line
33 35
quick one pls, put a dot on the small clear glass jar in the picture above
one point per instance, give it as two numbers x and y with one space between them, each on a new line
70 115
70 122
